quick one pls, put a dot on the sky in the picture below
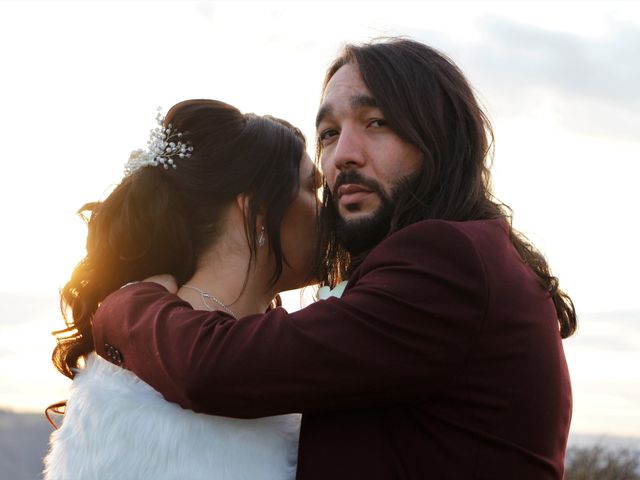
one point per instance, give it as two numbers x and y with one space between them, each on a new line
81 82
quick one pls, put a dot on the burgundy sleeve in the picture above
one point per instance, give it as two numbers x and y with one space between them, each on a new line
405 321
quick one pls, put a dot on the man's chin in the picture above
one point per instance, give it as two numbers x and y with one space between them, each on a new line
360 231
355 211
356 216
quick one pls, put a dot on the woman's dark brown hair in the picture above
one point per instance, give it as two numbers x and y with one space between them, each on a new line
428 102
159 221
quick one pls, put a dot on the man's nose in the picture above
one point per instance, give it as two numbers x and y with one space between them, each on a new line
349 151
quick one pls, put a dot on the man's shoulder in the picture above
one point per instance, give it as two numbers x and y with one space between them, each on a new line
437 244
440 244
432 257
426 233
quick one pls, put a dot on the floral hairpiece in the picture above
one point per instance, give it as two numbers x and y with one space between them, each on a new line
164 143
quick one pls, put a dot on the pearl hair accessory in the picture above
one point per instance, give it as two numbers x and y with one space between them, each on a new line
164 143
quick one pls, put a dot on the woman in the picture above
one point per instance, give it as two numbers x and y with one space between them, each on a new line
227 203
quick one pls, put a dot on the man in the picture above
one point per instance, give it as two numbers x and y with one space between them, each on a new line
443 358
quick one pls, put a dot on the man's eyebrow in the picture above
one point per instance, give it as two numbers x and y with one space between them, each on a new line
357 101
323 112
362 100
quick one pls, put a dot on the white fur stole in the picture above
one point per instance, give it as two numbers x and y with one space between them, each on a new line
118 427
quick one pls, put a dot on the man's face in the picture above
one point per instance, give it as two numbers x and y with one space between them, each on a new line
363 160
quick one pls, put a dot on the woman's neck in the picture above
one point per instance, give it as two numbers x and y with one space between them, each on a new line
224 278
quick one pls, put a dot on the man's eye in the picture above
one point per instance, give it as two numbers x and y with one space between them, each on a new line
377 123
327 134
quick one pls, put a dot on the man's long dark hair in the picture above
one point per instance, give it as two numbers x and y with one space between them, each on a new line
429 103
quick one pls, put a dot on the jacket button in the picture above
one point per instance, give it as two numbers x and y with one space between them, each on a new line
117 357
113 354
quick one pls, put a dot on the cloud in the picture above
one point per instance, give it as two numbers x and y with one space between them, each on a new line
24 319
590 84
615 332
603 68
20 308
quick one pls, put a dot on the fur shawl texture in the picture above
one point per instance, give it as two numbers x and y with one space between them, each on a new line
118 427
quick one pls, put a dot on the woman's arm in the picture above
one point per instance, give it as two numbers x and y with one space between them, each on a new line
400 329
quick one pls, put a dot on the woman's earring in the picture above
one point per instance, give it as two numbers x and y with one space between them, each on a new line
261 237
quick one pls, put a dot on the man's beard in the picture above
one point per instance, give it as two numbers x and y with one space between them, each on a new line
361 234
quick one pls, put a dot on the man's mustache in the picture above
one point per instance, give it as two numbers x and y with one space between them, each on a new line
355 177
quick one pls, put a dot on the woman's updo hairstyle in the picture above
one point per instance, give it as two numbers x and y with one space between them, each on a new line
160 220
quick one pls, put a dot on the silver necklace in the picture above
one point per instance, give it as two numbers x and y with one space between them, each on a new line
207 296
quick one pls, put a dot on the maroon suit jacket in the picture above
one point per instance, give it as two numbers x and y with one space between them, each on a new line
442 360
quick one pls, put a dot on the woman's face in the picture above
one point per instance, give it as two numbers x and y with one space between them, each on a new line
298 229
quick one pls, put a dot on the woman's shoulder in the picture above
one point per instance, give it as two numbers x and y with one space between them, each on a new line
101 381
114 419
